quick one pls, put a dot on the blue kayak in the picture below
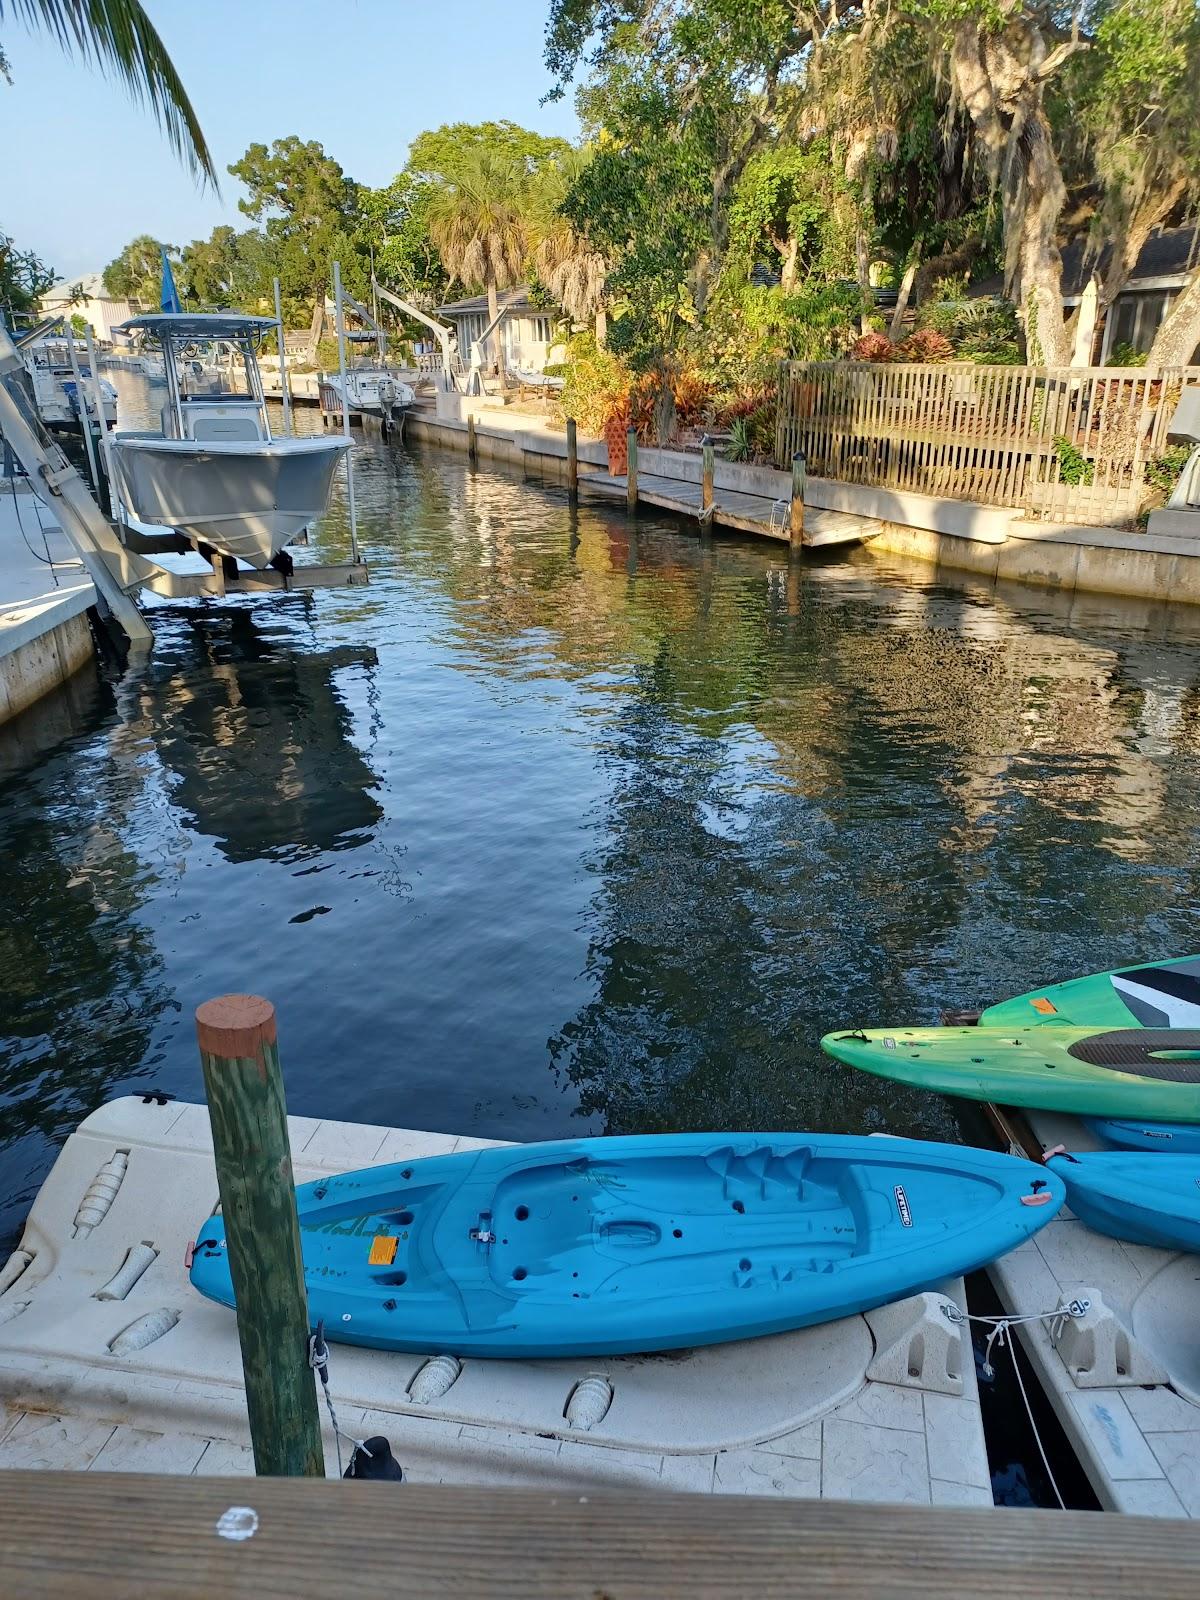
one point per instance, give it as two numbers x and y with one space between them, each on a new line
609 1246
1146 1199
1176 1137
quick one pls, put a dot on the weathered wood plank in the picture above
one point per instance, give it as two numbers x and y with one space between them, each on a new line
109 1537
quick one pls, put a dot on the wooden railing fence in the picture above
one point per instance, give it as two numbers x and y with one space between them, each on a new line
1061 444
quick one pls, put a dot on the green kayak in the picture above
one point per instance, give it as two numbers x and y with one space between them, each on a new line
1119 1044
1160 994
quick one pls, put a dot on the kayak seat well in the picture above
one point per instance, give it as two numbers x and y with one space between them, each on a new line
567 1229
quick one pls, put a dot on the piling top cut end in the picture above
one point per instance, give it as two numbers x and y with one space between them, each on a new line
235 1025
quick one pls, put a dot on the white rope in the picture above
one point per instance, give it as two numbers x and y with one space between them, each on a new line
1062 1504
318 1360
1001 1335
1056 1319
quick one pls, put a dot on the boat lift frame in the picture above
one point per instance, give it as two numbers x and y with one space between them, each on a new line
440 331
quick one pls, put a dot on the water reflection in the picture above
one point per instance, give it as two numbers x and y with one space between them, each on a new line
258 737
565 824
83 982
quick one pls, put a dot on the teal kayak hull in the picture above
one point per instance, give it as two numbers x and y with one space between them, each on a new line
611 1246
1151 1199
1166 1137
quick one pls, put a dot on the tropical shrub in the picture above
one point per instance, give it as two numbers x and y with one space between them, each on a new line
752 436
983 331
871 347
1162 472
729 407
739 447
1124 354
593 381
924 344
1073 466
692 395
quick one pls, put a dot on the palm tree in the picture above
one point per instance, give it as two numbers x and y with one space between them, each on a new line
479 224
571 269
118 35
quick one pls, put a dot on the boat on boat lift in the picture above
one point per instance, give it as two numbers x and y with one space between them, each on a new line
56 361
373 388
214 473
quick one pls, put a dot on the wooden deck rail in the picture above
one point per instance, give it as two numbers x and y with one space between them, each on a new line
1059 443
109 1536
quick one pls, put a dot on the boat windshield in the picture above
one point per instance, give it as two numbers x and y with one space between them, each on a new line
214 368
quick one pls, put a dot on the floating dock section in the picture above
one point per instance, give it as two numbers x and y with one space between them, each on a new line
1123 1378
45 595
109 1359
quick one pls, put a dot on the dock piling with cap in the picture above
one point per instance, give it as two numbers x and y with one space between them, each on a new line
243 1084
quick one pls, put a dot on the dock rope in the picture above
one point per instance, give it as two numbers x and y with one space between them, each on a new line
1000 1336
318 1360
47 560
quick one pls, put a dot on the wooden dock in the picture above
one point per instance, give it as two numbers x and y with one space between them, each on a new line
106 1537
733 508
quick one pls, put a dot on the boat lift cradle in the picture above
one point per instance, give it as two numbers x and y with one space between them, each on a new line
117 572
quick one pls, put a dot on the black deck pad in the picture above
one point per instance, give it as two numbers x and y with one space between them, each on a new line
1138 1051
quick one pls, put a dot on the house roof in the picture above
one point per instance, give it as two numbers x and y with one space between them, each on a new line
1170 253
91 283
508 299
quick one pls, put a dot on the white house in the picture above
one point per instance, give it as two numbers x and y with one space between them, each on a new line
527 335
87 297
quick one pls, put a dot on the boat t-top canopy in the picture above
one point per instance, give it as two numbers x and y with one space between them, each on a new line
191 326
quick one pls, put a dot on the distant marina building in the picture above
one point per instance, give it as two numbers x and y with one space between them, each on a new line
86 296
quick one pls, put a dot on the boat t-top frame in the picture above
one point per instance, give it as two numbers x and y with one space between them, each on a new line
186 338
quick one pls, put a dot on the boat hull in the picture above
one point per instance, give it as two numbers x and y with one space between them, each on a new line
612 1246
242 499
1151 1199
374 394
1113 1072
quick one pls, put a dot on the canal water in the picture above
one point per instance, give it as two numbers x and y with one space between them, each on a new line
568 824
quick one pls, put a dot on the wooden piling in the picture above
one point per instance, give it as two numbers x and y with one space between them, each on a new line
799 480
572 458
244 1089
631 489
707 470
472 443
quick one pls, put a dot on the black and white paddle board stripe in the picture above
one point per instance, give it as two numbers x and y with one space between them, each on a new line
1162 997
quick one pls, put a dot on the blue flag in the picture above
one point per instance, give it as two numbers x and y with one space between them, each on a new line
170 295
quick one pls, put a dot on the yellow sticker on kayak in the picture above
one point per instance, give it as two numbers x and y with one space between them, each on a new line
1045 1006
383 1250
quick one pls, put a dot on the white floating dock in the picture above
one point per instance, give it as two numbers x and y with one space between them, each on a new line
44 593
883 1408
1125 1379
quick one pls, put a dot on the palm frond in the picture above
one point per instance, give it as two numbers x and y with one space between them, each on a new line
119 37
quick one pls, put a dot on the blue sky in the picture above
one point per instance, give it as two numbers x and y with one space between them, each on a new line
85 170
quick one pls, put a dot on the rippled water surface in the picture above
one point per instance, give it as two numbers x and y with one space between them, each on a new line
564 825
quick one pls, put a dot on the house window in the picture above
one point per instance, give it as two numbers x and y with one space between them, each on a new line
1123 321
